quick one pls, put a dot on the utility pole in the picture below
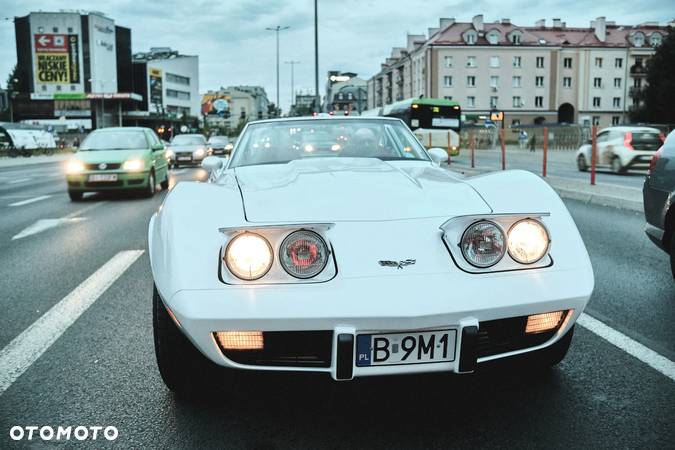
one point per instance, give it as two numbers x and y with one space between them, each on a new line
292 63
316 56
277 29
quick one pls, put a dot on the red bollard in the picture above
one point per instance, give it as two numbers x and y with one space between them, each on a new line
594 150
545 150
501 136
473 150
449 149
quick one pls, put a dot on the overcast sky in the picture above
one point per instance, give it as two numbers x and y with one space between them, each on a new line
354 35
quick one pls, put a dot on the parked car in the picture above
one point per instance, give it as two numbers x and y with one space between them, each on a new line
187 149
621 149
658 195
219 145
118 159
340 246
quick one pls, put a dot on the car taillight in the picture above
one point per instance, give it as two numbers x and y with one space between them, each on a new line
654 160
628 138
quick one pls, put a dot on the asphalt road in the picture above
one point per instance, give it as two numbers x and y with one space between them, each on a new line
102 371
560 163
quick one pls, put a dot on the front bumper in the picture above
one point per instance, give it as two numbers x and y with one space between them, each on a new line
187 158
371 305
125 180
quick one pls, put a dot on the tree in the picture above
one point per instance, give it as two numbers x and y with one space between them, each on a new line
659 95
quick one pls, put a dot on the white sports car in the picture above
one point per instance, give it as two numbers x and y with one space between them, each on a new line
339 245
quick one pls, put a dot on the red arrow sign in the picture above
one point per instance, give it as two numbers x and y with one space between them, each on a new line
50 43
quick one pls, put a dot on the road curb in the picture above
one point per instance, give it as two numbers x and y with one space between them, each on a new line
583 195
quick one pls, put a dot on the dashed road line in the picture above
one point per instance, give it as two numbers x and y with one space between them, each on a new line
27 347
648 356
30 200
19 180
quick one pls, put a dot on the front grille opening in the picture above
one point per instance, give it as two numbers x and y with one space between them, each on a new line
507 335
287 348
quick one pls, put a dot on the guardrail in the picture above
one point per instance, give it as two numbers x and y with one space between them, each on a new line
12 152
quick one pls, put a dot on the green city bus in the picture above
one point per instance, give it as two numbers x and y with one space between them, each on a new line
427 113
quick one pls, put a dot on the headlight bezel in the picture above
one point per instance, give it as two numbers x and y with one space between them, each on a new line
453 230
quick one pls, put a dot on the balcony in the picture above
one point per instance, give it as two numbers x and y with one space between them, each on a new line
635 91
638 71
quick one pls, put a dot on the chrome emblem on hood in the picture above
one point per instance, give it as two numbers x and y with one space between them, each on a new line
398 264
102 166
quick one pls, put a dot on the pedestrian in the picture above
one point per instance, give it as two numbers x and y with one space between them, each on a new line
76 142
522 139
533 142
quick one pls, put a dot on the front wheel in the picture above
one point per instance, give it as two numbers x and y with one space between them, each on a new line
75 196
150 188
165 184
581 163
616 165
184 370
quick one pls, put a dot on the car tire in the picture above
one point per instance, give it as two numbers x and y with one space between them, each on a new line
75 196
165 184
616 165
150 188
672 255
582 165
184 370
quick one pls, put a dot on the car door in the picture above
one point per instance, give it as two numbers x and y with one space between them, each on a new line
601 146
158 155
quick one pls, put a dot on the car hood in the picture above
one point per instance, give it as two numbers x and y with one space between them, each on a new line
110 156
353 189
187 147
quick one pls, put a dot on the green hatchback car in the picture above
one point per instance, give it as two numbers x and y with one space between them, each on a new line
118 158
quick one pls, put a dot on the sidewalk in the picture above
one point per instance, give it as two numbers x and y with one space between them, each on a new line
622 197
42 159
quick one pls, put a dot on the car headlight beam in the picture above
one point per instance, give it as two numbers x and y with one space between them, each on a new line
74 166
133 165
528 241
248 256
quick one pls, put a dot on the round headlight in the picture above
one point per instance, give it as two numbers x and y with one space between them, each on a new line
528 241
483 244
248 256
303 254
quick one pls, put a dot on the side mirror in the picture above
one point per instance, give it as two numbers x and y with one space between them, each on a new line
212 163
158 147
438 155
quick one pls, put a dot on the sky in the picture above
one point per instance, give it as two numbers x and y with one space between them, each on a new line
354 35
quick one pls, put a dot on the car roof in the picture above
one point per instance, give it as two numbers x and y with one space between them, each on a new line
324 118
122 129
633 128
189 134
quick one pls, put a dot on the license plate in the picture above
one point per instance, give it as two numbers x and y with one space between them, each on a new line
184 158
412 347
103 177
442 122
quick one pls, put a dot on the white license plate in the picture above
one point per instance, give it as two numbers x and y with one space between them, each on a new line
412 347
441 122
103 177
184 158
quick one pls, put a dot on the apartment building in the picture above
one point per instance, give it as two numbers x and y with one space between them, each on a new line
554 74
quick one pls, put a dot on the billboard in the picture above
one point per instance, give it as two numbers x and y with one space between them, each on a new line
57 58
156 89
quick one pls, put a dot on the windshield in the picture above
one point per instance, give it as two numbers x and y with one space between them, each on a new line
188 140
115 140
284 141
218 140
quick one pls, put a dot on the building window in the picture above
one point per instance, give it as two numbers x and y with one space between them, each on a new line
517 102
596 120
58 87
616 102
493 37
72 87
655 39
515 122
448 97
567 82
43 87
177 79
494 61
471 81
471 102
340 96
617 83
180 95
494 81
516 82
567 63
598 62
539 101
616 120
637 82
493 102
540 62
70 29
638 39
597 82
618 63
539 81
470 61
447 81
470 37
448 61
516 37
517 61
596 102
55 29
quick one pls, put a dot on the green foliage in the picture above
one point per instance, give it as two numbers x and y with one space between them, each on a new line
659 95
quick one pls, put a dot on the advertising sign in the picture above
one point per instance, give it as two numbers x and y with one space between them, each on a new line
156 90
57 59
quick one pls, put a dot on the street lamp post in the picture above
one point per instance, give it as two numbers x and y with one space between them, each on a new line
316 57
277 29
292 63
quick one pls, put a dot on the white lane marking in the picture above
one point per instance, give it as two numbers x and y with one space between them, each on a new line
46 224
30 200
178 171
27 347
20 180
646 355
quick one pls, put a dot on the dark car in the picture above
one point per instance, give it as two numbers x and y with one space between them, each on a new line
187 149
219 145
658 193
